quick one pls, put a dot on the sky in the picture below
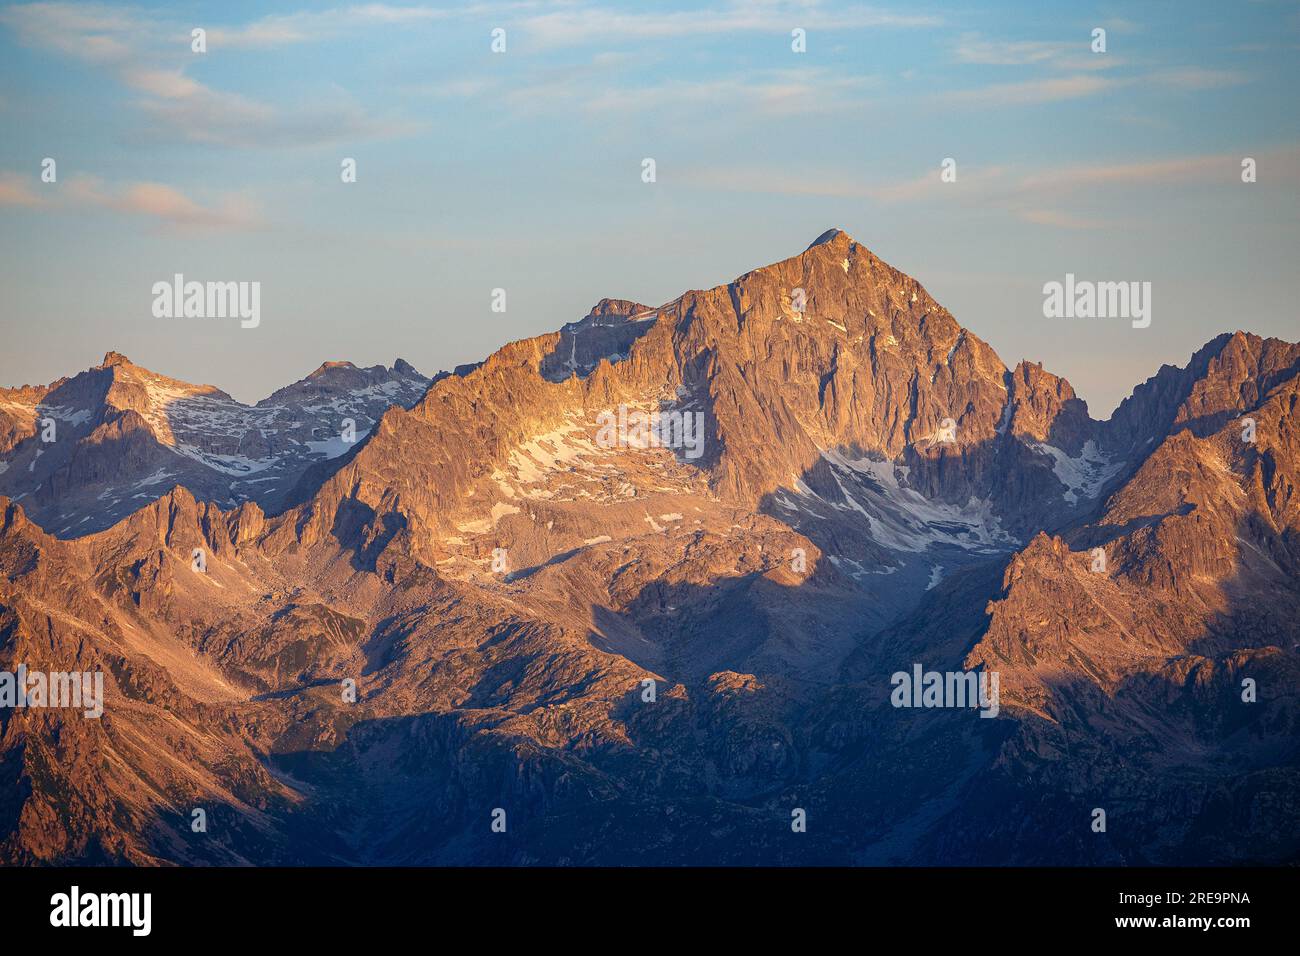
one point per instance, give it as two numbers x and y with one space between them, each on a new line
522 170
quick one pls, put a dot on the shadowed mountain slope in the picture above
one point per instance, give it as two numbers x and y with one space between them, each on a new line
652 651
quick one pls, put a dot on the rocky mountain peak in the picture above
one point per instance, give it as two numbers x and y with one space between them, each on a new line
617 309
125 434
112 359
326 367
1044 408
876 490
832 237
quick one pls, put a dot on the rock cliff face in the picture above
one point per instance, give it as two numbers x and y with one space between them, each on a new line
86 451
651 646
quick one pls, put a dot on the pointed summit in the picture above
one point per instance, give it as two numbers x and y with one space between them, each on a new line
830 236
112 359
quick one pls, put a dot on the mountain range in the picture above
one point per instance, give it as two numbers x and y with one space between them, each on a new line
449 621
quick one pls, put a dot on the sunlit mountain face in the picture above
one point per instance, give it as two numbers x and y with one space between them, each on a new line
792 570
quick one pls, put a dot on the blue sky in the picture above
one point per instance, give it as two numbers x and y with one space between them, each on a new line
522 170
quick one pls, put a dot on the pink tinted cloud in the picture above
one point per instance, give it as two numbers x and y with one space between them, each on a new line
159 202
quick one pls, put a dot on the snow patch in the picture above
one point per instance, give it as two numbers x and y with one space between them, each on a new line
161 475
333 447
1083 476
73 416
903 519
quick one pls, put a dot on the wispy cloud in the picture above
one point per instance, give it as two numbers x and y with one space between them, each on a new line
203 115
1054 89
1031 195
973 48
1196 78
928 186
583 23
158 202
151 59
91 32
831 183
1062 70
1035 187
312 26
167 205
1177 170
768 93
15 190
1122 26
1030 92
1068 56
